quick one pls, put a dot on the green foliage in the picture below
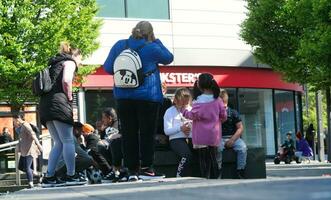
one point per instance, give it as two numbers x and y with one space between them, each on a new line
311 117
294 37
30 33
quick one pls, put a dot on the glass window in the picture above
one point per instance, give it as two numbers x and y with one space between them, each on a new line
256 111
152 9
284 104
111 8
96 102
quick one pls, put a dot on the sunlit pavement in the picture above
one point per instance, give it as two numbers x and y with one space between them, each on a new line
189 189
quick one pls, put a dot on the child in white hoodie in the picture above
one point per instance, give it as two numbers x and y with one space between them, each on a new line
179 131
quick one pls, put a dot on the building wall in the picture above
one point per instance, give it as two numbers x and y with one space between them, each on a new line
202 33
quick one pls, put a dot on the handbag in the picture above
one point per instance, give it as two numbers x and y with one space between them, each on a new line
22 164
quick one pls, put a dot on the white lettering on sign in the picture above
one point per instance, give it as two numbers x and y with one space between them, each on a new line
179 77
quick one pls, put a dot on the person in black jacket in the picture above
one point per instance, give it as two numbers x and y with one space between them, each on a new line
56 114
5 136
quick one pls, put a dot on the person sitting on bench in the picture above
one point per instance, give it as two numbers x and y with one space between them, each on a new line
232 130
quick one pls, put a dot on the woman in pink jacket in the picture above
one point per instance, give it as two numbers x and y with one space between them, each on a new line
207 112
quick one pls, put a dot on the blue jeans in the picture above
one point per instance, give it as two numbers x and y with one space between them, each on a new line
239 147
62 135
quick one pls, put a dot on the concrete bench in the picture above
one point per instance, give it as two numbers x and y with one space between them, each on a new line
166 162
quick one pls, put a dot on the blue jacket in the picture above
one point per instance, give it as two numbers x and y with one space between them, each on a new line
151 55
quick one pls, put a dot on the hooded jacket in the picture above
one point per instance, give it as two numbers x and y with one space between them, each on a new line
152 54
55 105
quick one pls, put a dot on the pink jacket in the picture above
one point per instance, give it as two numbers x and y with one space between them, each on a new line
206 128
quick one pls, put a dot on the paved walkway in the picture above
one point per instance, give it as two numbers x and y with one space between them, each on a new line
189 189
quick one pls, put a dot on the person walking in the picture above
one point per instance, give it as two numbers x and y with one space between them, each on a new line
179 130
28 145
207 112
138 108
56 114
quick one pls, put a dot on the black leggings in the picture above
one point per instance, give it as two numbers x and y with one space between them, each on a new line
183 148
208 163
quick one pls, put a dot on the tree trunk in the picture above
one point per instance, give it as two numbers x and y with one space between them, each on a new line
320 139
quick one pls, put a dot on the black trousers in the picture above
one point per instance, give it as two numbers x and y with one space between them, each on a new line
116 152
184 149
138 120
208 163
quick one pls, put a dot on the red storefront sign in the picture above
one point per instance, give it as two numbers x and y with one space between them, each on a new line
182 76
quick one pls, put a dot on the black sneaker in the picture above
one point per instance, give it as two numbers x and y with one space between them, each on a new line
241 173
113 176
51 182
74 180
149 174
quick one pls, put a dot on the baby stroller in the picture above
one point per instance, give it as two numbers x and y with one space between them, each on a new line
286 155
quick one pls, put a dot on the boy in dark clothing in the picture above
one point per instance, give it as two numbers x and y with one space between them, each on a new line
288 145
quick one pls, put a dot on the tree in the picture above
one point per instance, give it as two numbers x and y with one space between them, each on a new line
293 37
30 33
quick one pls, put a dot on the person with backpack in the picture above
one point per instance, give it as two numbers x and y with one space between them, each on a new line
137 90
56 113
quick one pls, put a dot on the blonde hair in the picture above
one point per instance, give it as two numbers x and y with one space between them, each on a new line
224 95
183 93
67 49
143 30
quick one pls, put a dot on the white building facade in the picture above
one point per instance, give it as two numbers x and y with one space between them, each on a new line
203 35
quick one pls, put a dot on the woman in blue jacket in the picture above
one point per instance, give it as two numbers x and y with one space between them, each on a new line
138 108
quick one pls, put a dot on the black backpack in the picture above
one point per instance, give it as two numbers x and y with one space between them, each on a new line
42 82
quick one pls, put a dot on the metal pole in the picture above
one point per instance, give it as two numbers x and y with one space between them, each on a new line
328 109
18 174
320 140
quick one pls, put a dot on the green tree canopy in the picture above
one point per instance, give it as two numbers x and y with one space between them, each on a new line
293 37
31 32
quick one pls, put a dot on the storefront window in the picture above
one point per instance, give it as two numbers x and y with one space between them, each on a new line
150 9
96 102
284 104
256 111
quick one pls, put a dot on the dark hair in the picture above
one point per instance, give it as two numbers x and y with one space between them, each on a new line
196 91
206 81
110 112
19 116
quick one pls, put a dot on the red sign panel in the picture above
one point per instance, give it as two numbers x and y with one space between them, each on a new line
182 76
